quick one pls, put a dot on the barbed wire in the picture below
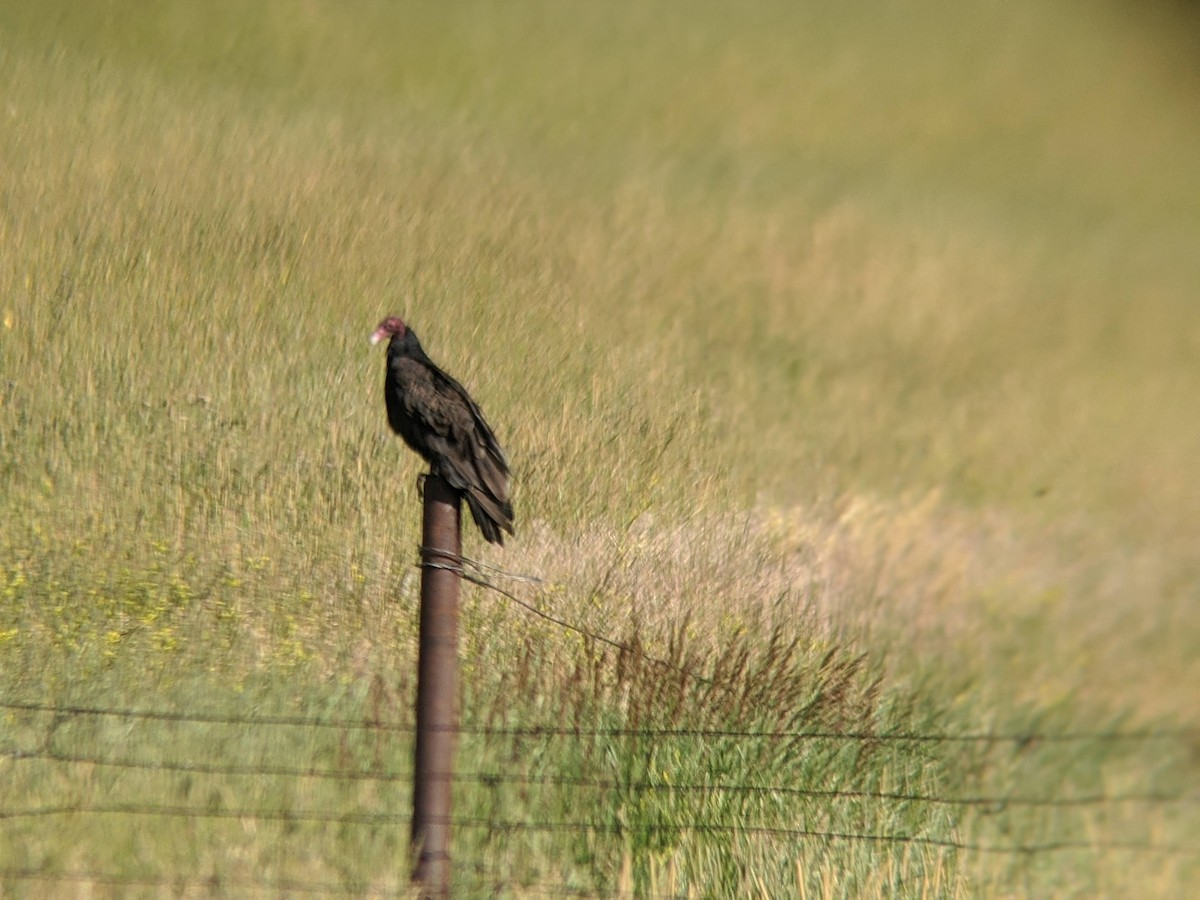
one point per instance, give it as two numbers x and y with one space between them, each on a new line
805 833
503 825
209 718
194 812
996 803
502 573
1019 737
232 769
457 565
987 804
476 573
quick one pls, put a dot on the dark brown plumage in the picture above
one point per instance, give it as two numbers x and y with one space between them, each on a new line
438 419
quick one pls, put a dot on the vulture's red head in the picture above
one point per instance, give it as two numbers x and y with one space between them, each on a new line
388 328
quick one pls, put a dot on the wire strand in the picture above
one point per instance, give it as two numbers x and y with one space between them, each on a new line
804 833
484 582
231 769
581 826
997 802
497 778
555 731
207 718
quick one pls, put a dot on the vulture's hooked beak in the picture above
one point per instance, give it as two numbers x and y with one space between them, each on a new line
378 336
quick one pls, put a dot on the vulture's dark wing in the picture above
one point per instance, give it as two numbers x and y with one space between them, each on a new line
437 418
485 441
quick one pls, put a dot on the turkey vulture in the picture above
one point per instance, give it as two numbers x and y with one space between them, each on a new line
437 418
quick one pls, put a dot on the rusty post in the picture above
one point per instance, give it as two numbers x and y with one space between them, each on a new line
437 689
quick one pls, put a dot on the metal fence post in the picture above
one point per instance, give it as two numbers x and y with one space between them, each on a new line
437 688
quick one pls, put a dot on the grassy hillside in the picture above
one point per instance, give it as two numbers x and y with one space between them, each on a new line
869 335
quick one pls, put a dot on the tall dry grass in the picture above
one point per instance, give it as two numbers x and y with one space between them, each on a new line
872 335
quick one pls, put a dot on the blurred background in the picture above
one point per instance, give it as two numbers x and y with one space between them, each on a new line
873 330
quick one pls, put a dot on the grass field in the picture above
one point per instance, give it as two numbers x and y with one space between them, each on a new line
848 357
